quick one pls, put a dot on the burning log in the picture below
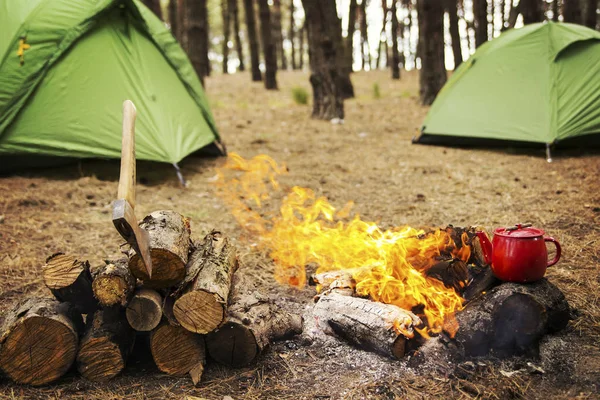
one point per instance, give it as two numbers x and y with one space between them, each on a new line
253 321
383 328
113 283
38 340
341 281
106 345
169 234
177 351
70 280
202 305
511 319
144 311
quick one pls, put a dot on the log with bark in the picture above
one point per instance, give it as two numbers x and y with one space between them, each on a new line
113 283
145 309
379 327
253 321
202 297
106 344
177 351
38 340
70 280
510 319
169 234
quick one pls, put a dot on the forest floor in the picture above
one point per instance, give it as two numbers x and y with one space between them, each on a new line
370 160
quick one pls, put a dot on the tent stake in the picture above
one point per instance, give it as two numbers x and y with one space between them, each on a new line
548 154
180 175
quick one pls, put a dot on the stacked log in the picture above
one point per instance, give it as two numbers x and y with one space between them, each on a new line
39 340
187 297
253 321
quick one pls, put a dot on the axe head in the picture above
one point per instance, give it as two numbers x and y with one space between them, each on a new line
124 220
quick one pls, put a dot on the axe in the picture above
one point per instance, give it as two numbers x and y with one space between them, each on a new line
123 215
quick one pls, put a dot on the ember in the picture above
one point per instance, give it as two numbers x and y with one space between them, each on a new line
389 266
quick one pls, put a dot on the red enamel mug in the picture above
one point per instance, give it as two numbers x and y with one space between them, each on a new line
518 253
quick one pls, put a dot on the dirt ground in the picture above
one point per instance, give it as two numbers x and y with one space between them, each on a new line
369 159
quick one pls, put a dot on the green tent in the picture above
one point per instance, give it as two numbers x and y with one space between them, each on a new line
66 67
538 84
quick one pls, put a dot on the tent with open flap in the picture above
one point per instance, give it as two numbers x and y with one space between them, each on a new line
539 84
67 66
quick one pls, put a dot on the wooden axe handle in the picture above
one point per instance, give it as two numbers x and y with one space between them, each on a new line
127 179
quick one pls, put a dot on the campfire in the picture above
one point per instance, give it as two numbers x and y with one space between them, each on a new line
378 287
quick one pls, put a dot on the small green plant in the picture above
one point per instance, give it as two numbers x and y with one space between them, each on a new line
406 94
376 91
300 95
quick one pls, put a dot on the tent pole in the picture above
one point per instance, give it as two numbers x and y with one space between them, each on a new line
548 154
180 175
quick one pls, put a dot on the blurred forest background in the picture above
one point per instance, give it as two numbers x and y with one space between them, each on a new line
334 38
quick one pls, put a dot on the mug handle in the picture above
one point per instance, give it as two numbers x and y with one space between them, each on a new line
558 250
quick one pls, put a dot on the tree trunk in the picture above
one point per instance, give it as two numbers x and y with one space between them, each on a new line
370 325
330 76
169 234
145 310
234 10
196 27
571 11
349 51
182 20
106 345
278 34
555 10
303 33
252 40
253 321
173 20
177 351
202 306
431 37
395 64
113 283
292 37
480 20
70 280
382 35
532 11
38 341
452 9
515 10
364 36
268 43
225 16
591 16
154 6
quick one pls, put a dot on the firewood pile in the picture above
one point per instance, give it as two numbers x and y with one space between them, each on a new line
192 306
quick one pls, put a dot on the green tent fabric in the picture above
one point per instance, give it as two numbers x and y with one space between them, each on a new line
85 57
536 84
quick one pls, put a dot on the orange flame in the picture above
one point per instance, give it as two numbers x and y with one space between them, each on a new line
387 265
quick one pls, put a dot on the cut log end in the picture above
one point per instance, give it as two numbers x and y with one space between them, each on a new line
38 341
144 311
177 351
168 269
100 359
199 311
109 290
233 345
113 283
33 358
61 270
